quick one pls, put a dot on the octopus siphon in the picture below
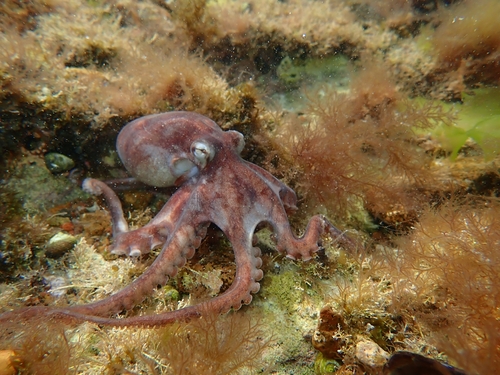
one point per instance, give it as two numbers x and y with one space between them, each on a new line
215 185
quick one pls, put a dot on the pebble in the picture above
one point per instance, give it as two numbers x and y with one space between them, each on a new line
58 163
59 244
370 354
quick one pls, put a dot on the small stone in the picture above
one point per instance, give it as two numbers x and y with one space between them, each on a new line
60 244
57 286
370 354
57 163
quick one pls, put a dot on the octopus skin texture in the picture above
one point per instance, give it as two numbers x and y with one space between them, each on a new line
215 185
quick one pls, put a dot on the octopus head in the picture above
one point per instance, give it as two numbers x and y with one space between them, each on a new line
162 150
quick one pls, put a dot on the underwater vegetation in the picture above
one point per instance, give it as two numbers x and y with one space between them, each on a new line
231 344
478 118
41 349
467 38
360 147
381 115
451 263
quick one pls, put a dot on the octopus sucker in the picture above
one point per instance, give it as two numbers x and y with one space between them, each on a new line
256 252
255 287
246 300
190 251
180 262
257 274
214 185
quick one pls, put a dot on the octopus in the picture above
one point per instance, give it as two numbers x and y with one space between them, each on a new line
214 185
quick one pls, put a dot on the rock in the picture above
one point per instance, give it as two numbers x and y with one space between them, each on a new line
57 163
59 244
370 354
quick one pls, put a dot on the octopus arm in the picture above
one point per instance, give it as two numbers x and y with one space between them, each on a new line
178 248
99 188
309 243
143 240
240 292
248 274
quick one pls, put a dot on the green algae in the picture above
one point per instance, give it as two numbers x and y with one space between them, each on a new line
477 118
336 68
290 305
286 289
171 294
325 366
299 76
39 190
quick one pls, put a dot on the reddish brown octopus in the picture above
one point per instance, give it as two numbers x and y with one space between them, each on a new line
215 185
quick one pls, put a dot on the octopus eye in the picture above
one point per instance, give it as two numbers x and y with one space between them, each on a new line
202 152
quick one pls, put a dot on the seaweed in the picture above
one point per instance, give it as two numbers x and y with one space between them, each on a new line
449 267
39 348
362 146
231 344
477 118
